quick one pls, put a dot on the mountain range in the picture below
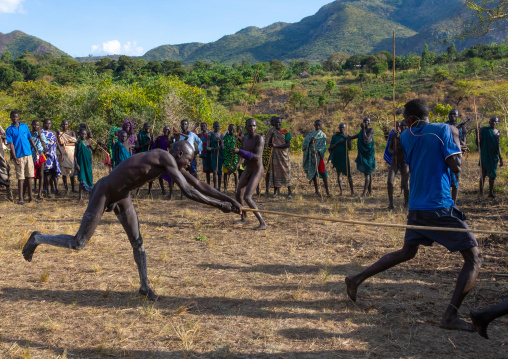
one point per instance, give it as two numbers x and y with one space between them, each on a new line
348 26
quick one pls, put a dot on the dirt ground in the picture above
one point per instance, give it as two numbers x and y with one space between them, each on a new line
230 292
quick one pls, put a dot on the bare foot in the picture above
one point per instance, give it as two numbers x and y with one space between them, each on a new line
351 289
149 294
390 207
457 324
289 196
491 195
29 247
240 221
480 326
261 227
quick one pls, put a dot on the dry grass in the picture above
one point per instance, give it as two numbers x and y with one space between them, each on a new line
240 293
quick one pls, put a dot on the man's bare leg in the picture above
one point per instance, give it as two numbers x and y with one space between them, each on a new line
340 182
482 318
366 185
127 216
89 223
239 195
247 196
465 282
404 179
388 261
325 182
161 184
316 188
491 188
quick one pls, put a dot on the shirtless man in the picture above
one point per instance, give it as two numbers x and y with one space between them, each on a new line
398 164
430 160
112 193
252 152
453 116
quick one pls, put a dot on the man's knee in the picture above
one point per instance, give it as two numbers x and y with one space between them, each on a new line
79 243
137 243
473 257
409 252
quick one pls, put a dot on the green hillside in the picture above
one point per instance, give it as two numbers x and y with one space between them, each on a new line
348 26
18 42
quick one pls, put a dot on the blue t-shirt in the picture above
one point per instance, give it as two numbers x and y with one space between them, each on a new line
19 137
426 148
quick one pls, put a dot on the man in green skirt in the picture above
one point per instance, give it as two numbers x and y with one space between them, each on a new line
488 143
366 159
339 156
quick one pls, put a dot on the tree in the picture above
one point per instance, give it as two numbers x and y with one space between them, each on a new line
6 57
452 52
427 57
379 68
349 93
6 76
277 68
330 86
484 16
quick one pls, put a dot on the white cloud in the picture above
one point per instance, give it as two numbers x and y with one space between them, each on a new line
11 6
114 47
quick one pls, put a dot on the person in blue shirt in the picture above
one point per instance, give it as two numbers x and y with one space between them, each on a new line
21 144
431 152
192 138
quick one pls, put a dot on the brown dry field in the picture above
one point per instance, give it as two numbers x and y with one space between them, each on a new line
239 293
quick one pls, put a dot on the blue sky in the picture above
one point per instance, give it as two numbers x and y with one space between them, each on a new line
131 27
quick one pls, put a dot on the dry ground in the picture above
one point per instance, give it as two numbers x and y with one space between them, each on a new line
229 292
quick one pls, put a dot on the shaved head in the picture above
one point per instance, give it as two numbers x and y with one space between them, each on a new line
183 146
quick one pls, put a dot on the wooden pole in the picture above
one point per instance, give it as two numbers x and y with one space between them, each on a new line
394 157
374 224
250 94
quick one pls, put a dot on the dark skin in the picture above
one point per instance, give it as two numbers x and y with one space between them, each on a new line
318 126
231 130
50 176
239 139
342 130
398 163
204 129
15 122
267 174
83 136
253 172
64 126
453 117
87 128
368 137
217 179
277 123
492 124
112 193
482 318
36 128
467 276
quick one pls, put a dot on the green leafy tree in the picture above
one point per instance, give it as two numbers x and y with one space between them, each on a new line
347 94
427 57
452 52
330 86
379 68
7 76
6 57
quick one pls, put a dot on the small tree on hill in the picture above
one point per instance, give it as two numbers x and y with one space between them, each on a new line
349 93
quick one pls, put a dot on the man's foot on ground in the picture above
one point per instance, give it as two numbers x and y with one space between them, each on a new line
240 221
340 194
289 196
491 195
457 324
163 193
390 207
29 247
149 294
21 202
480 326
317 194
351 289
274 196
261 227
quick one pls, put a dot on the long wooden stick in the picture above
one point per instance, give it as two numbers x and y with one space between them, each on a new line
374 224
250 94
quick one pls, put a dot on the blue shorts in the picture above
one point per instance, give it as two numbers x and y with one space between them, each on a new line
446 217
454 179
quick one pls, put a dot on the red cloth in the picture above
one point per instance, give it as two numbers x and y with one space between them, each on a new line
39 164
321 166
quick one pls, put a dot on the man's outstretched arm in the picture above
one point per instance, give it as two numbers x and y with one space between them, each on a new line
210 191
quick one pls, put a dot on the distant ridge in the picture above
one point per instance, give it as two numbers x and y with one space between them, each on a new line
350 26
18 42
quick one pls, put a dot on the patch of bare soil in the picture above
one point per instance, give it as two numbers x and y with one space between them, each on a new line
230 292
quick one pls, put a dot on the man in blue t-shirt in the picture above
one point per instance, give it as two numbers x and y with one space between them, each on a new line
19 141
431 152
